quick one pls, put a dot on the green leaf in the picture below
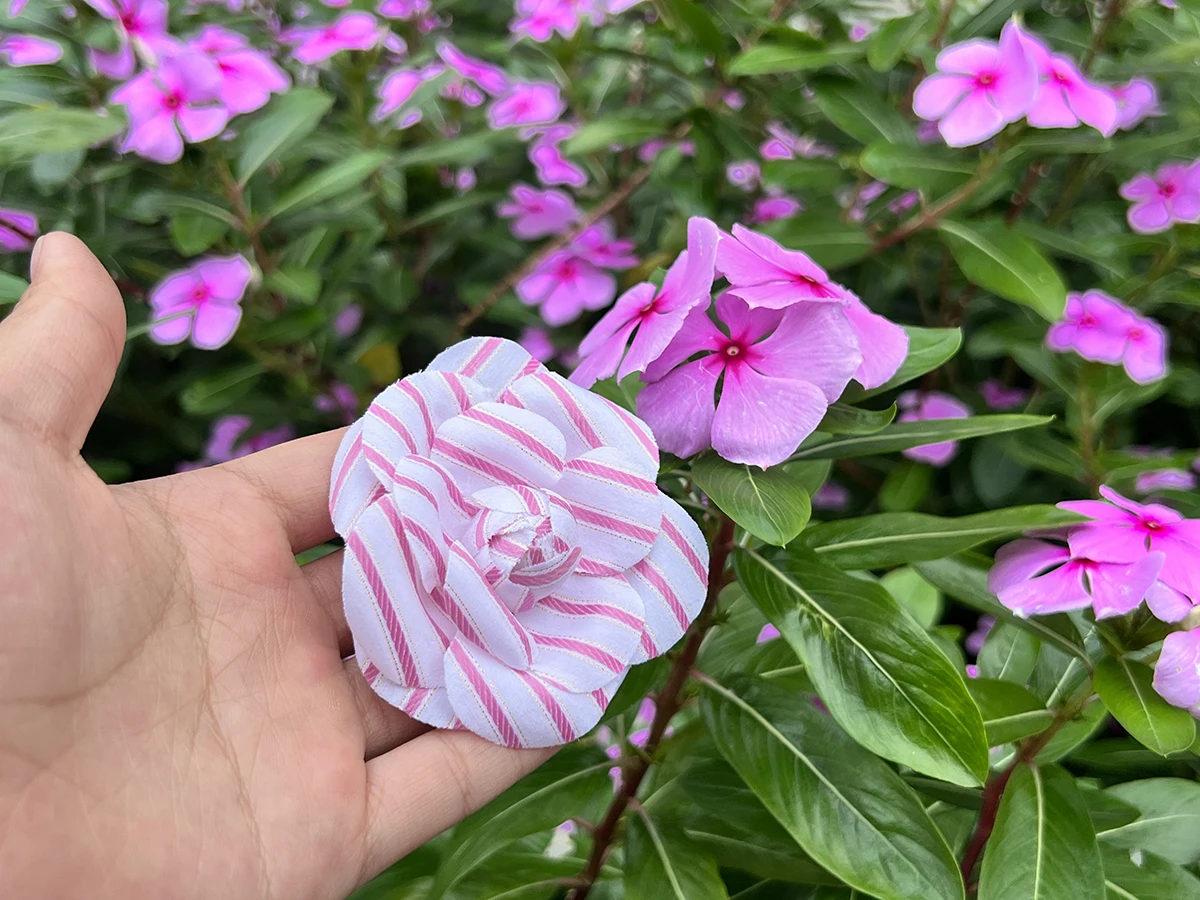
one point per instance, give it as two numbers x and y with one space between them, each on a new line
662 863
699 24
920 598
52 170
1126 688
906 487
286 121
846 808
928 348
1148 877
914 168
888 44
625 128
1170 822
903 435
769 59
459 151
891 539
213 393
1010 712
29 132
883 678
841 418
572 781
516 875
770 504
968 585
194 232
301 285
861 113
330 182
1043 846
1008 653
999 260
11 288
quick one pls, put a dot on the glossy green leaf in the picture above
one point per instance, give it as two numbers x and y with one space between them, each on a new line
883 678
1008 654
903 435
846 808
769 59
663 863
193 232
1043 846
618 128
517 875
841 418
861 112
1010 712
771 504
831 242
330 182
920 598
28 132
1170 822
891 539
217 391
914 168
286 121
895 37
698 24
906 487
1135 875
462 151
928 348
999 260
1126 688
301 285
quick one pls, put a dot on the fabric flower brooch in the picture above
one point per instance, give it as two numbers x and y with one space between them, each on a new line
508 553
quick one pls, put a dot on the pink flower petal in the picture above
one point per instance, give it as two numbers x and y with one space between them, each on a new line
762 420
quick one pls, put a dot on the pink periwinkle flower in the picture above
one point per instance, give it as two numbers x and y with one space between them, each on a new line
178 101
316 43
904 202
1102 329
225 441
649 151
1122 531
655 314
491 78
566 285
735 100
1177 673
860 31
918 406
974 642
600 246
1158 201
141 24
553 168
1065 97
537 214
18 230
783 144
348 320
773 208
777 370
539 19
341 400
527 103
538 344
1165 479
767 633
831 496
1136 100
979 87
397 88
28 50
248 76
404 9
202 301
744 174
998 395
15 7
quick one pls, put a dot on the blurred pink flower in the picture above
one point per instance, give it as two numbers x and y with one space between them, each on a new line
179 100
1000 396
735 100
404 9
1102 329
248 76
566 285
600 246
538 344
773 208
141 24
978 88
650 150
539 19
527 103
1170 195
778 371
783 144
203 301
26 50
1165 479
341 399
348 320
768 633
1136 100
764 274
537 214
316 43
223 442
860 31
491 78
904 202
1065 97
18 230
398 87
920 406
744 174
1177 673
553 168
655 314
983 627
831 496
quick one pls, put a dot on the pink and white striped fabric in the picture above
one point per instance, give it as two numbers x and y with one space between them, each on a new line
508 552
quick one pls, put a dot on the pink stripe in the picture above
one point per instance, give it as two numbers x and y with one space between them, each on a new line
659 583
370 672
685 549
648 646
470 507
542 579
530 367
485 352
400 527
507 547
383 602
505 613
578 417
597 568
588 467
529 498
374 456
416 487
415 701
490 701
385 415
512 432
347 464
592 652
575 608
600 698
638 430
562 722
616 526
431 547
457 617
418 398
470 460
460 394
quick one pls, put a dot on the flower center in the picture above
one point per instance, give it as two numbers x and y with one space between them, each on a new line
568 270
985 79
1136 334
199 294
1059 78
1087 321
733 350
172 101
1168 190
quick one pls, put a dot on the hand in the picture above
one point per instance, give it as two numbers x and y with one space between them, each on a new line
176 718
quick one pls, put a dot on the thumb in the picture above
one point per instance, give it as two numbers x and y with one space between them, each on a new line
60 346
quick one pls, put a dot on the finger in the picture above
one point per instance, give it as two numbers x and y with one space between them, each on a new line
324 578
422 788
386 727
293 478
60 346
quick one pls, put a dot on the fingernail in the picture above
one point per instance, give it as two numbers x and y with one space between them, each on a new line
35 257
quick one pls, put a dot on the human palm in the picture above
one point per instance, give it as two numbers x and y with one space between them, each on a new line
176 717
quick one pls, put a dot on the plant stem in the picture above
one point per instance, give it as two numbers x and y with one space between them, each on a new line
943 24
1111 13
1087 427
634 768
935 213
245 222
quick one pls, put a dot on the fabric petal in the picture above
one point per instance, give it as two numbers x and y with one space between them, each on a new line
469 602
352 483
495 443
492 362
